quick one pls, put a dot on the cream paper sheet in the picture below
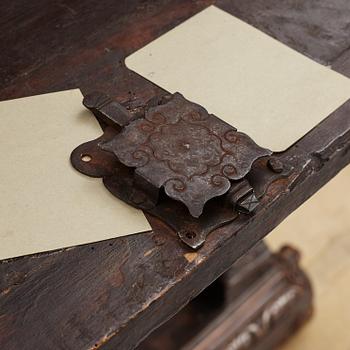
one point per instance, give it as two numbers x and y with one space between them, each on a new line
250 80
44 203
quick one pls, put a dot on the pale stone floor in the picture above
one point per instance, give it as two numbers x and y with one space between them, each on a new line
320 229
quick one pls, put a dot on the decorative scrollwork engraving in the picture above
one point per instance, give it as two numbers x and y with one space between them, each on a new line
189 152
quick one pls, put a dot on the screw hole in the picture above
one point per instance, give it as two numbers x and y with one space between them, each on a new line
190 234
86 158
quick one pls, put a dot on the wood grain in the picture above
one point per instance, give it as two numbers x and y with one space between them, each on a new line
111 294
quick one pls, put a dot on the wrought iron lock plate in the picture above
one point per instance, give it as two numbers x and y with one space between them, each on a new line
174 160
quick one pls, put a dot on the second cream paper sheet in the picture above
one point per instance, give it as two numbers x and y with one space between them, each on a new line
243 76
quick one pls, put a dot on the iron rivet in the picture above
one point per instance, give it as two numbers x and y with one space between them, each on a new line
275 165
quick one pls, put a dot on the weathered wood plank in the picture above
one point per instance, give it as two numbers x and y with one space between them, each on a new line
317 28
110 295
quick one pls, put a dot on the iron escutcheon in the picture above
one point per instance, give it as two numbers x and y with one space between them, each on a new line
176 161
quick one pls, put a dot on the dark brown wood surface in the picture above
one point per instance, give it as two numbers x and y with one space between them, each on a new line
262 300
111 294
